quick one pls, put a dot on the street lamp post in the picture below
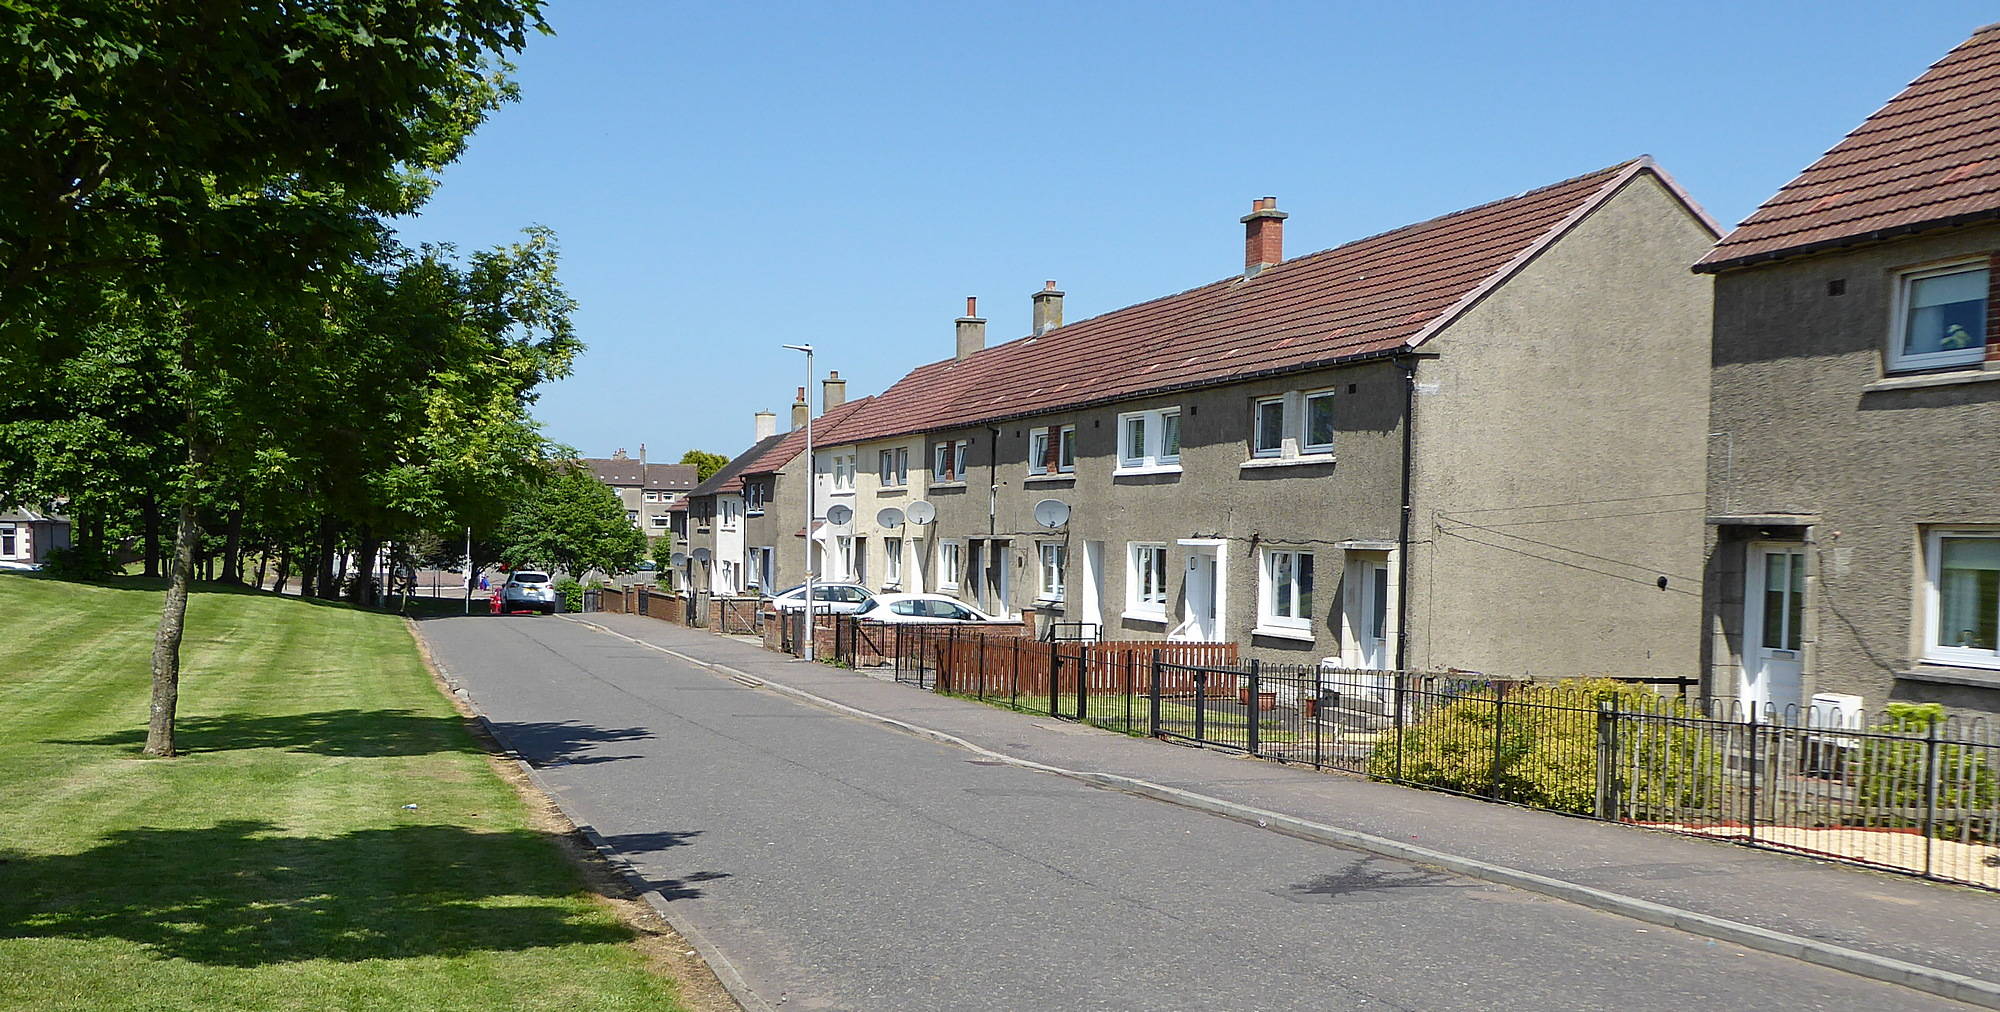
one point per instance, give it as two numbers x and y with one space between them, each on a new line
812 479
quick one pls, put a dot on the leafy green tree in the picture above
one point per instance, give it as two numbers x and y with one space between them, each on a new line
663 551
572 523
705 463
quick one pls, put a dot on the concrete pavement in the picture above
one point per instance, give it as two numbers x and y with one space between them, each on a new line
837 864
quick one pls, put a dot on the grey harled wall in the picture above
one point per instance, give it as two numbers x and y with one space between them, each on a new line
1560 459
1791 364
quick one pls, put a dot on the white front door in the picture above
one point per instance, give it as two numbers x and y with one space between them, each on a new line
1368 612
1774 590
1199 621
1090 589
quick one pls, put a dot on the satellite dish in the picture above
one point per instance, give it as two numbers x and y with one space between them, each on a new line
1052 513
839 514
680 560
921 512
890 517
701 555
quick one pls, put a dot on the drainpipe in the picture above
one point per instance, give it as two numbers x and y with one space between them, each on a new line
992 481
1403 536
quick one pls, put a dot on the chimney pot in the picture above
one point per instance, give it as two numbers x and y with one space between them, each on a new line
971 330
1263 236
1048 308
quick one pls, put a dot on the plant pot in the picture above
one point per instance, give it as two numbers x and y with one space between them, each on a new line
1267 701
1309 708
1243 695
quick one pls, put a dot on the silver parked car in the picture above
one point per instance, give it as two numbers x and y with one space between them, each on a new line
530 591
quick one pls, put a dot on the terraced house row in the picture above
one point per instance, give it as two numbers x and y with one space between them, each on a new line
1529 438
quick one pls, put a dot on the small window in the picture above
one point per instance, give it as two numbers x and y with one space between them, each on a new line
892 560
1146 583
893 467
1940 319
1052 450
950 558
1055 559
1038 451
1270 427
1319 424
948 461
1285 598
1964 592
1150 439
660 522
1066 449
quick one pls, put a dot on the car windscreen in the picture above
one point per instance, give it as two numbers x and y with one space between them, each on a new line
525 577
866 608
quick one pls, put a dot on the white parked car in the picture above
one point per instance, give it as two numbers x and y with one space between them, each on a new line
927 608
829 598
528 590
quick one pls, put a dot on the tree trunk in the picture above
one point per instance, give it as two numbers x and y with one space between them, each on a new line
284 571
323 548
167 639
263 563
232 548
151 539
364 567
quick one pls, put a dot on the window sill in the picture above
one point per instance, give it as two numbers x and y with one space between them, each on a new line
1970 374
1282 633
947 586
1146 616
1039 479
893 490
1048 602
1126 472
1302 461
1955 672
946 484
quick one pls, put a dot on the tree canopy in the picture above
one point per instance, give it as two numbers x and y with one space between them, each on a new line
572 523
705 463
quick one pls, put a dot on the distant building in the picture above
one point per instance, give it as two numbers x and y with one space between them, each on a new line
27 537
646 489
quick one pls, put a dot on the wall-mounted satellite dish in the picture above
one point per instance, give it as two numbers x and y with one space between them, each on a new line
680 560
701 555
1052 513
890 517
839 514
921 512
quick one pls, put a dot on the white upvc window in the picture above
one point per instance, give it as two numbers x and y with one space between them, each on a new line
1940 317
1296 424
1055 562
1146 580
1149 441
894 466
948 461
951 562
892 562
843 471
1052 450
660 522
728 508
753 498
1285 590
1963 591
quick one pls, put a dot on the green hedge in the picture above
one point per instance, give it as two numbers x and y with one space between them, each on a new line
1548 749
571 593
1893 774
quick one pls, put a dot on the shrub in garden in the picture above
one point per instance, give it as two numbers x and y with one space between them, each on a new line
571 593
1894 772
1547 754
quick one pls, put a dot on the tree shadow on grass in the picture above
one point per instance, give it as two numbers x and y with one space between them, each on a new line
375 733
238 894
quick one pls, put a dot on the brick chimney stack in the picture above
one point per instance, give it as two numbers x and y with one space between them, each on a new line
833 391
1048 308
1263 236
767 425
971 330
799 411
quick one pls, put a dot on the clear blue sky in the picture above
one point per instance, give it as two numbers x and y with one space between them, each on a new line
726 178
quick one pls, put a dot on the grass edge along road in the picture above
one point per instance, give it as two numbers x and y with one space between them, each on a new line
276 865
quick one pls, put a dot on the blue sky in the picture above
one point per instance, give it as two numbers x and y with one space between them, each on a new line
728 178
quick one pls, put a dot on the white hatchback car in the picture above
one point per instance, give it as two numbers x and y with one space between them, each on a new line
528 591
828 598
926 608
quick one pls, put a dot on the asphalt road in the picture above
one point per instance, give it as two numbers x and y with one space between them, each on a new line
841 865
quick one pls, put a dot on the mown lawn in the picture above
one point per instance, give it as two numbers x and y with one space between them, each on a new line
274 865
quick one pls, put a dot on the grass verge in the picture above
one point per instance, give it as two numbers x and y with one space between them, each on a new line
335 836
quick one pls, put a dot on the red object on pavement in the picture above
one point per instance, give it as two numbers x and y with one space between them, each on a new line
496 603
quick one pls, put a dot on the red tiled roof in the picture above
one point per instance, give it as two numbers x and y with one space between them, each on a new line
1930 157
1369 298
826 431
